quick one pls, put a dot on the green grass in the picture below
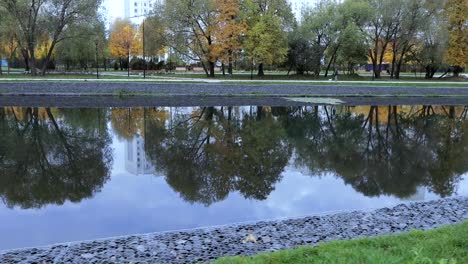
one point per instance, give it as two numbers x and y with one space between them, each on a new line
447 245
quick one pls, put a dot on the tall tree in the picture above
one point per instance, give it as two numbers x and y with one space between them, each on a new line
80 48
156 41
321 24
229 30
412 19
382 28
51 17
123 41
191 27
26 13
432 38
457 50
268 22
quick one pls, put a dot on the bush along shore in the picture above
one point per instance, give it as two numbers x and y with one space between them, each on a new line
209 244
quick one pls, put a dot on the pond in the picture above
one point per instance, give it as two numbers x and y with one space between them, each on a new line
81 174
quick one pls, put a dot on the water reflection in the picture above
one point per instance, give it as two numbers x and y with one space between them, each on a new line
383 150
49 156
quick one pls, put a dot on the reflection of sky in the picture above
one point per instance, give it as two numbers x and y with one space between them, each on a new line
131 204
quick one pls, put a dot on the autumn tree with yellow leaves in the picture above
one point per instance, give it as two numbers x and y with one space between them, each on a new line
457 51
123 41
228 32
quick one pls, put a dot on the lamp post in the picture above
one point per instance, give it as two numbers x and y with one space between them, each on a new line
97 58
128 60
144 54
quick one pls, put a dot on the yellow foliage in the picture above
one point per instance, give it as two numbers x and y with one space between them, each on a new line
123 39
43 47
228 30
388 55
457 14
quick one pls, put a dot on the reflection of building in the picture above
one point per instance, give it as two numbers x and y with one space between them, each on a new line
136 161
420 195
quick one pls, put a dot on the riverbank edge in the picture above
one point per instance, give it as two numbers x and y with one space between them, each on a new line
210 243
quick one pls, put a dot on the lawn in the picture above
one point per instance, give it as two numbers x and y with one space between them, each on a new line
447 245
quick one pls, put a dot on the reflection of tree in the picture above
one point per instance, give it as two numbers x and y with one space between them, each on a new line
51 156
383 151
128 122
213 152
264 154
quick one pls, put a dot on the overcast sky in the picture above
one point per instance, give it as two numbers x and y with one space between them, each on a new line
115 8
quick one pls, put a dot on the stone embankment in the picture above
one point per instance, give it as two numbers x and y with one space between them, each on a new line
206 244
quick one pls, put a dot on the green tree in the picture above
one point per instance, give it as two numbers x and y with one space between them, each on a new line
156 41
266 42
353 48
84 46
268 22
50 19
191 27
383 25
321 25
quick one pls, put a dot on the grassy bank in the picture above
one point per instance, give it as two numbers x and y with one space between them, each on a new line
447 245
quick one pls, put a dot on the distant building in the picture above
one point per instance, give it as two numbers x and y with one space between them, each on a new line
3 63
136 10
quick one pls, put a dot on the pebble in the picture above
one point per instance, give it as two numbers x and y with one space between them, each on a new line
206 244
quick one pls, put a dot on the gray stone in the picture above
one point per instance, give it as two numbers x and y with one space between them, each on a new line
206 244
87 256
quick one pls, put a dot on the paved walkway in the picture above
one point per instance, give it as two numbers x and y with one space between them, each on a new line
189 89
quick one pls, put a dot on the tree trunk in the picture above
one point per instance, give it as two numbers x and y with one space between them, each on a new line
230 67
392 72
223 68
329 65
260 70
456 71
333 58
47 60
212 69
25 54
398 67
205 69
32 59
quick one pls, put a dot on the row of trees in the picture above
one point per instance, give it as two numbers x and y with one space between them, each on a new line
429 33
330 35
57 155
40 30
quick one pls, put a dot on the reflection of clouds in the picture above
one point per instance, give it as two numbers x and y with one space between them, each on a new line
129 205
314 195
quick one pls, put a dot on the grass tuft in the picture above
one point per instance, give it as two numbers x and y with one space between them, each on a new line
447 245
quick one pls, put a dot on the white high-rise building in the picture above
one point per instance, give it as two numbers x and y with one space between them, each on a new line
298 6
137 8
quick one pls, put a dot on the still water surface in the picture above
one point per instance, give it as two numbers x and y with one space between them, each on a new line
80 174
